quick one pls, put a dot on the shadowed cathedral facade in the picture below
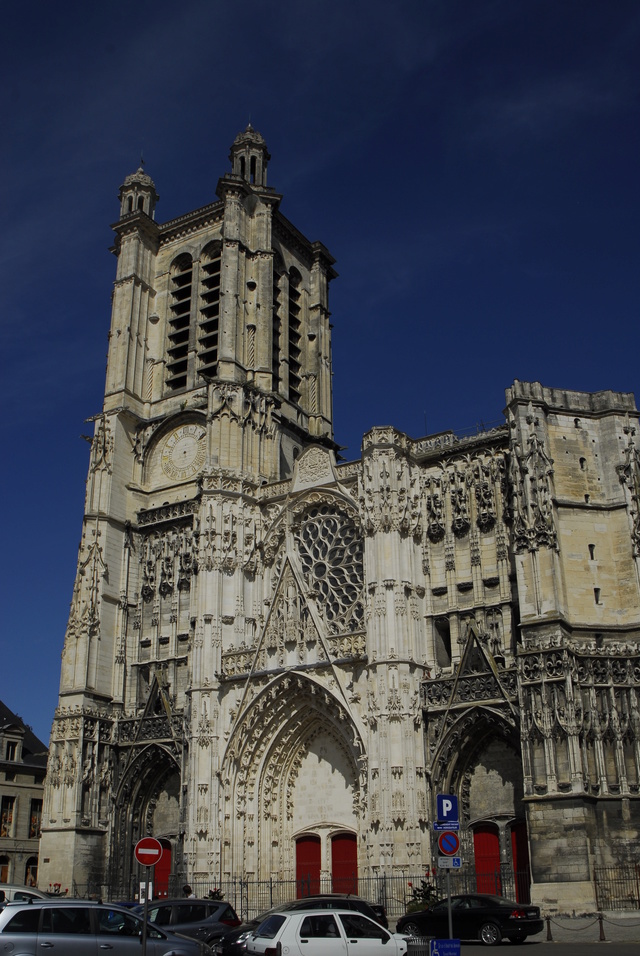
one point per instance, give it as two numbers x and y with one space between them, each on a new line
275 659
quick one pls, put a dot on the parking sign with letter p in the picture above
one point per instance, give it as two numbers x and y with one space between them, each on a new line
447 807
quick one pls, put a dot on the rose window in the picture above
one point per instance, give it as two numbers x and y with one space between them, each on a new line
330 549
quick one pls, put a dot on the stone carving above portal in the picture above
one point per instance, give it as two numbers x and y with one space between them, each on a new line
290 636
314 467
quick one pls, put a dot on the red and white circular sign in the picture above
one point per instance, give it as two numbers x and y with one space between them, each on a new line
449 843
148 851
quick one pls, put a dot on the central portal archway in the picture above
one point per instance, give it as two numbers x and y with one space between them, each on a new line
292 768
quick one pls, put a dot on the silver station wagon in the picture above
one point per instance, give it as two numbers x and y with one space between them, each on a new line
83 928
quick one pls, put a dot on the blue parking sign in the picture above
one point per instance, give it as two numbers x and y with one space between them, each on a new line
447 807
444 947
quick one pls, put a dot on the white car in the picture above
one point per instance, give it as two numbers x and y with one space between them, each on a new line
323 933
16 892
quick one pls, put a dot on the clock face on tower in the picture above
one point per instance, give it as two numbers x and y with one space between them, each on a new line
183 452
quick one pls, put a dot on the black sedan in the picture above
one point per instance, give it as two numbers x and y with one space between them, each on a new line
474 916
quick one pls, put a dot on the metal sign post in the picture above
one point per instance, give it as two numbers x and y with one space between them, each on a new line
147 852
145 912
448 841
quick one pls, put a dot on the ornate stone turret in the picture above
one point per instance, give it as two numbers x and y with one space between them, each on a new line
249 157
138 194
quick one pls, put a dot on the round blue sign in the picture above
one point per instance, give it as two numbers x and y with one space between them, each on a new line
449 843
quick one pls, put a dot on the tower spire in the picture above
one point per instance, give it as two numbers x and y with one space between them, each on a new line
249 157
138 193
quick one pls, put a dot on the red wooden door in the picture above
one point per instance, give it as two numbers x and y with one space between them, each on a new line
161 872
520 857
486 848
344 863
307 865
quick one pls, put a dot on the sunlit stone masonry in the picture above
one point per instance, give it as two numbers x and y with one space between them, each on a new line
275 659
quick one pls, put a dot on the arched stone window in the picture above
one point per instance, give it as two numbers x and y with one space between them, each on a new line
295 336
179 322
209 318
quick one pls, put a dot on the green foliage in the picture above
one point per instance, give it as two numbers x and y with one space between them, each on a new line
422 896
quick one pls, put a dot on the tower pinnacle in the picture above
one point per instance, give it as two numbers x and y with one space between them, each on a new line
138 193
249 157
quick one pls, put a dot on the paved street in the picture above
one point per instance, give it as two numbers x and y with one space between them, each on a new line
570 935
533 948
621 932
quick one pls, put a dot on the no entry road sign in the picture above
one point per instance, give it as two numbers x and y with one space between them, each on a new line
148 851
448 843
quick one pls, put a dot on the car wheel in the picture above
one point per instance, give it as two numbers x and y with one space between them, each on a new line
490 934
411 929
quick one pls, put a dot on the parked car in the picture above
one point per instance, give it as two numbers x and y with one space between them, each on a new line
234 943
81 927
474 916
323 932
16 891
341 901
202 919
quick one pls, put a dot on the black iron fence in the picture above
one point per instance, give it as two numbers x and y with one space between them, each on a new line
395 892
617 887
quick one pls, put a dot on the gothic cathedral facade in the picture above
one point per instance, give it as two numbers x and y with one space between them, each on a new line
276 659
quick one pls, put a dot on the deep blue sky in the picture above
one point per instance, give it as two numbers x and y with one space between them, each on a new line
473 167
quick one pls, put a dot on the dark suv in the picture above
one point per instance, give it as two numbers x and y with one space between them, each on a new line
202 919
339 901
82 928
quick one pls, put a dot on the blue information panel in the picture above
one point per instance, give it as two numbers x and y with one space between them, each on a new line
444 947
447 807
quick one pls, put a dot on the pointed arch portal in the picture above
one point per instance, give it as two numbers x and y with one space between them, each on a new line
479 760
147 804
292 772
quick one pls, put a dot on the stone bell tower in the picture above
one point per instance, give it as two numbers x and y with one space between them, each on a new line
218 378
